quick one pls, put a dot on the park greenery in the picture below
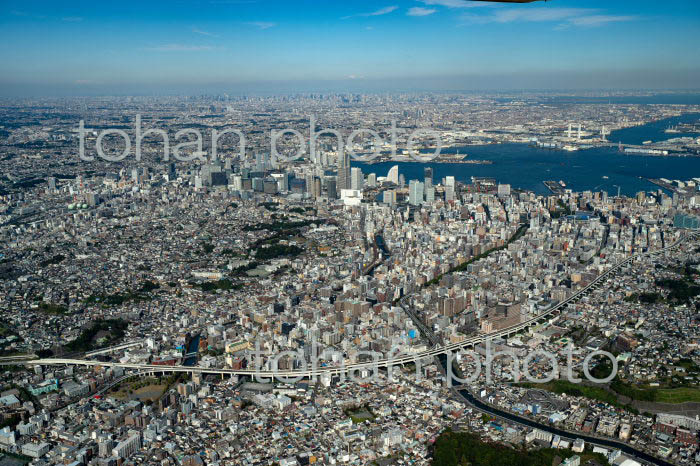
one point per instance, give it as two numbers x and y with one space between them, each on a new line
271 247
680 291
656 394
146 389
99 334
117 299
618 387
242 269
224 284
57 259
54 309
359 414
561 210
467 449
271 206
231 253
281 225
644 298
277 250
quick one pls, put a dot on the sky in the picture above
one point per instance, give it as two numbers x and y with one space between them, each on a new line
248 46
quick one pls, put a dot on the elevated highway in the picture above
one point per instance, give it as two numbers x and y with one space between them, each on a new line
113 349
345 368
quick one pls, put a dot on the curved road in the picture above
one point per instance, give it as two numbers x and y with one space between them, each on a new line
379 363
604 442
436 351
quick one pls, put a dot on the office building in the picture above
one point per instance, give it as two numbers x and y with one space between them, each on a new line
389 197
429 194
332 188
415 192
428 175
372 180
343 171
128 447
357 179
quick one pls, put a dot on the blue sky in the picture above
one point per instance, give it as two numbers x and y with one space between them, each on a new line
190 46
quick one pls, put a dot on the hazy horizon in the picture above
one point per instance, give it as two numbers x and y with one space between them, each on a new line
248 46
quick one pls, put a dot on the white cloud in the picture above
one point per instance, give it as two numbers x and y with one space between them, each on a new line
180 48
566 16
420 11
203 33
456 3
382 11
27 15
262 24
598 20
535 14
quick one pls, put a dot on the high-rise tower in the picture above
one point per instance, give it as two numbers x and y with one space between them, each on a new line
343 171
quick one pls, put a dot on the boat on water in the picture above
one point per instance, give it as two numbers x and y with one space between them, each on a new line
605 177
562 184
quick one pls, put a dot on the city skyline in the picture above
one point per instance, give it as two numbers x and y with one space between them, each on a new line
268 47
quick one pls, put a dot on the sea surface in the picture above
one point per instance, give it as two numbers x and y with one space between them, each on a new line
692 98
597 169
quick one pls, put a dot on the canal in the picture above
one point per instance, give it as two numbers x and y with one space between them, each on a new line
192 350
